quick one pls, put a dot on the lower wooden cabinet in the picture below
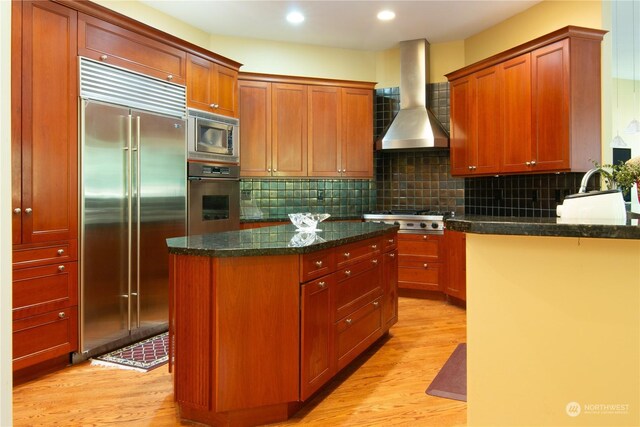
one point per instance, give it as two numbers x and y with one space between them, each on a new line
456 281
420 261
357 331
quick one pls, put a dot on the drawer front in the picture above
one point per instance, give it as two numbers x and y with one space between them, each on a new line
389 242
354 252
422 245
317 264
358 331
357 285
35 255
114 45
41 289
42 337
424 276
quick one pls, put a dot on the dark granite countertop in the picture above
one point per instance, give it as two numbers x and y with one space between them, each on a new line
286 218
543 227
276 240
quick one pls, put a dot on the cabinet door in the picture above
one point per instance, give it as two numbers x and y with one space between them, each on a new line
390 287
200 83
289 131
516 101
325 111
226 89
357 133
488 122
16 123
49 123
455 243
317 364
462 134
550 101
255 128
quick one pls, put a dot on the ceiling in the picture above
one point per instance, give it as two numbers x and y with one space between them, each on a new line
344 24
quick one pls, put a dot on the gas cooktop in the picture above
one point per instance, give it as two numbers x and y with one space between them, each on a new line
424 221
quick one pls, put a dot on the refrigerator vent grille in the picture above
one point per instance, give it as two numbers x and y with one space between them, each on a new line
104 82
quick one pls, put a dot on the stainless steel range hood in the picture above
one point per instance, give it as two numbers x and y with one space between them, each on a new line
414 126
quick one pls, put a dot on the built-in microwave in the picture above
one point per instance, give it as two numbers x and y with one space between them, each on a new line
213 137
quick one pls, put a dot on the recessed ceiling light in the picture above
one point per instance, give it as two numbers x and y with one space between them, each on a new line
386 15
295 17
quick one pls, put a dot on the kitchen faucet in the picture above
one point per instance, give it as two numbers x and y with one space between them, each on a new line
585 179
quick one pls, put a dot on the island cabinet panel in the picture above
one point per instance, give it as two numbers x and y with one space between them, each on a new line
548 117
357 284
358 331
455 284
420 262
103 41
390 288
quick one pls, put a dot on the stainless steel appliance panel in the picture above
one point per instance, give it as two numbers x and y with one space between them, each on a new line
163 203
104 238
214 198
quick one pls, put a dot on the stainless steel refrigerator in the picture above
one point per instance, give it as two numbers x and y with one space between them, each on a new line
133 192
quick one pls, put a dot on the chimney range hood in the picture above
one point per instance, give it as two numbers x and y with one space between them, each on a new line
414 126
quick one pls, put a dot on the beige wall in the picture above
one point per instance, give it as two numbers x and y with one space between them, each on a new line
5 214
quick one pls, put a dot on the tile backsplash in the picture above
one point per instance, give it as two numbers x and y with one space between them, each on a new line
520 195
277 198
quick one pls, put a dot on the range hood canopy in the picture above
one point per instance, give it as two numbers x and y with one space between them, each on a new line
414 126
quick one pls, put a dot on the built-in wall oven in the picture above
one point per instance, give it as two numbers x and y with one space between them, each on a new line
214 197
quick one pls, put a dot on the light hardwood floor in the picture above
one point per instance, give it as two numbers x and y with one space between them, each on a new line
386 386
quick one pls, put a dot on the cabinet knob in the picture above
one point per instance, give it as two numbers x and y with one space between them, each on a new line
347 254
275 170
376 303
374 261
103 57
527 163
17 211
348 321
344 170
347 272
28 211
62 315
61 268
318 263
170 77
321 284
374 246
425 265
533 162
424 237
470 167
390 240
60 251
392 255
268 169
213 105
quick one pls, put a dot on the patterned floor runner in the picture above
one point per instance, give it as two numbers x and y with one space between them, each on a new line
142 356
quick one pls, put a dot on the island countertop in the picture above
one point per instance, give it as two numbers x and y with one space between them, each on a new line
543 227
277 240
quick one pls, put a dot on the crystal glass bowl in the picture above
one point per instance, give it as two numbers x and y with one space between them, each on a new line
307 221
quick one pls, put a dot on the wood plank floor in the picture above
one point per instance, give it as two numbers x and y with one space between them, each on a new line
386 386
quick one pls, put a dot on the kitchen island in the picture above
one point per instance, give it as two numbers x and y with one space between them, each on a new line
260 319
553 322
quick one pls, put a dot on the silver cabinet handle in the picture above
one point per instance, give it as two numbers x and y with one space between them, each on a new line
533 162
425 265
61 268
347 272
170 77
374 246
134 294
347 254
60 251
275 170
374 261
424 237
321 284
125 295
376 303
103 57
212 105
62 315
392 255
17 211
527 163
318 263
268 169
28 211
470 167
348 321
390 240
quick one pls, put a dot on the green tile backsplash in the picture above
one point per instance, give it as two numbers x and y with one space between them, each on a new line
274 199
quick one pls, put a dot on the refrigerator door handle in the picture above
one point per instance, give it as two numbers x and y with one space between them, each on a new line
129 214
138 197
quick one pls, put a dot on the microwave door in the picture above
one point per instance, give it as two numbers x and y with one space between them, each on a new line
212 139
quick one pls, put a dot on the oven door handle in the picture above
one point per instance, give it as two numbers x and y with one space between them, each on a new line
195 178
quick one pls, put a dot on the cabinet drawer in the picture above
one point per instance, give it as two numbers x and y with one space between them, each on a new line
41 289
114 45
420 276
35 255
389 242
45 336
357 285
317 264
358 331
423 245
354 252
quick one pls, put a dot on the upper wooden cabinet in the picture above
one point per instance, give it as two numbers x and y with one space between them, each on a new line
103 41
45 124
211 87
534 108
336 124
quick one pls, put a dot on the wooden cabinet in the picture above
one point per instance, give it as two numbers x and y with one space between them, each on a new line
44 169
103 41
420 261
390 288
456 267
211 87
294 127
534 108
